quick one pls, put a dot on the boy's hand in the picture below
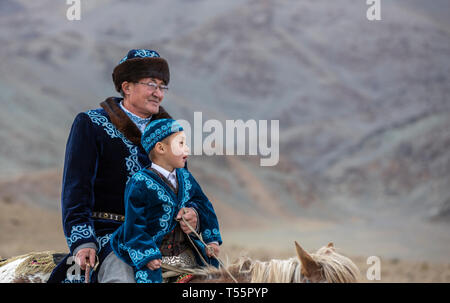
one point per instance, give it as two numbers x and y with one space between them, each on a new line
190 216
212 247
154 264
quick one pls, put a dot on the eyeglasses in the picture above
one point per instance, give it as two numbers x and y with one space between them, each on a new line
153 86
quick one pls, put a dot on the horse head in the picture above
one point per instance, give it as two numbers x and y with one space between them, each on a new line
326 265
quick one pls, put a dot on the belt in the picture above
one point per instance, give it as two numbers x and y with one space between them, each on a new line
110 216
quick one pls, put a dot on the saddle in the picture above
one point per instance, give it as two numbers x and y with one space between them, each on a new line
178 260
35 266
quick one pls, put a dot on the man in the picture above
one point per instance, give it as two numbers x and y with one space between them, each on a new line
103 151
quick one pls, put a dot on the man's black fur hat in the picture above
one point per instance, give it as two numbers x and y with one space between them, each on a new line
139 64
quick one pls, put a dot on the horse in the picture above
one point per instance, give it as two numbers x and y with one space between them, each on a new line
326 265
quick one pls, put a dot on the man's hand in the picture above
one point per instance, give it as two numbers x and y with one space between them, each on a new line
154 264
212 247
190 216
83 255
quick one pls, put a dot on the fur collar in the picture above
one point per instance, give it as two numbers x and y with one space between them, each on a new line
123 123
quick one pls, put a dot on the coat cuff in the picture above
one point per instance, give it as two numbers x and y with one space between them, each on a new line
85 245
140 258
213 235
79 235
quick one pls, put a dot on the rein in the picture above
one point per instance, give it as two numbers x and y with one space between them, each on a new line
175 269
209 248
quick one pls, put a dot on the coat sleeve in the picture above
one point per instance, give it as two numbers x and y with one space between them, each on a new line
140 218
209 227
77 198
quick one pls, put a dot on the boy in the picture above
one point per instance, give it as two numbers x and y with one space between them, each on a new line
154 197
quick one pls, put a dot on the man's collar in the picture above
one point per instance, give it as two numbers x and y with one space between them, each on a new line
123 122
141 123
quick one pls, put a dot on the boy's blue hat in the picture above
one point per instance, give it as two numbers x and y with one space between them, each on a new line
139 64
157 131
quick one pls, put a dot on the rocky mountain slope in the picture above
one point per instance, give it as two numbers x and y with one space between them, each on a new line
363 106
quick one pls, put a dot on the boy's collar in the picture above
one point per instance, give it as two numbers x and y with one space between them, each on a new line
162 170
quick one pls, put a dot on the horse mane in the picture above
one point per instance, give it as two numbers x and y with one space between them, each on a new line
276 271
336 268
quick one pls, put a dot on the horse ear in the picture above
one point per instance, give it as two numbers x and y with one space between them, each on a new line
309 266
330 245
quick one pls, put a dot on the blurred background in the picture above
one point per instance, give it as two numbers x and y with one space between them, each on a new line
364 111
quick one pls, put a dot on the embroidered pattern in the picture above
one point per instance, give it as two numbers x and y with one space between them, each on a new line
103 241
184 278
164 220
187 187
207 233
131 162
74 279
79 232
153 186
141 123
142 53
167 207
142 277
160 133
136 255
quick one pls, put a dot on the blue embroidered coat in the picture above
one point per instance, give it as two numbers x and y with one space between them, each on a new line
103 152
151 207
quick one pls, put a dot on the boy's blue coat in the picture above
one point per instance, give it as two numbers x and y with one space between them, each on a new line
151 207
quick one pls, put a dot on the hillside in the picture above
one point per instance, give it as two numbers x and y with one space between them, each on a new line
363 108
